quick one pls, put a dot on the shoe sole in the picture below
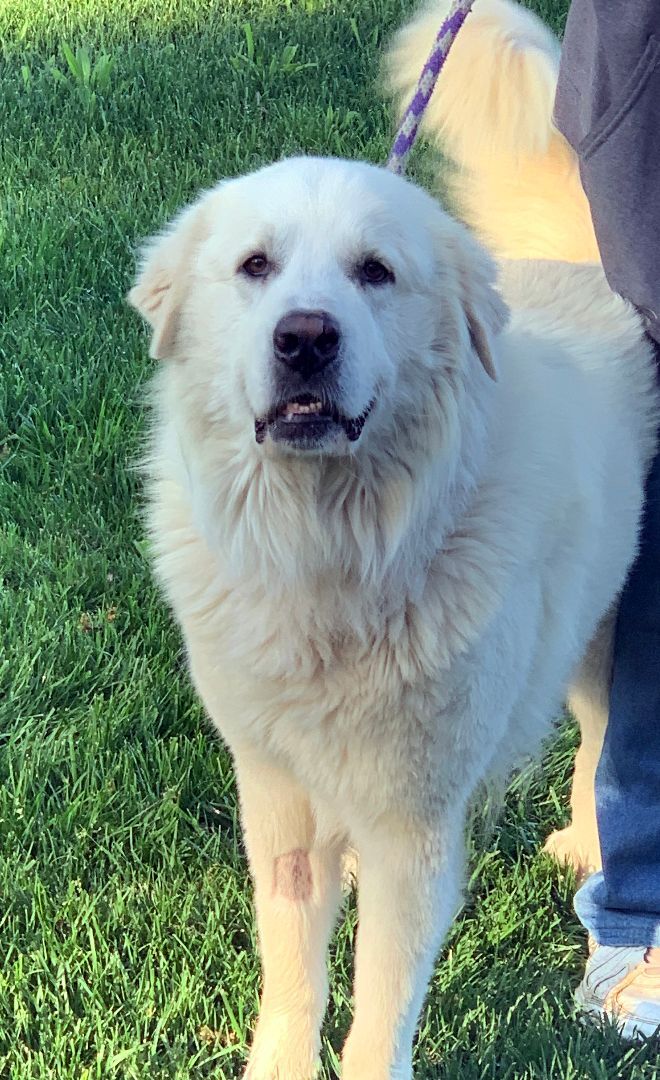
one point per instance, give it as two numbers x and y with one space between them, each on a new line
628 1028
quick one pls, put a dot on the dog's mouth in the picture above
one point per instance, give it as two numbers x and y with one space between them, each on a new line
308 422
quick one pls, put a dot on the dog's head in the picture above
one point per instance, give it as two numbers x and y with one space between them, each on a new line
313 300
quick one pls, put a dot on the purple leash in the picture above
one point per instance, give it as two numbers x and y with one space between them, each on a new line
407 133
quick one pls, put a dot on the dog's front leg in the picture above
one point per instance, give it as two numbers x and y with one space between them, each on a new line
297 892
409 891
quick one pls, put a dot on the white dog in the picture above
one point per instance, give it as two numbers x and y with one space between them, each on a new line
390 506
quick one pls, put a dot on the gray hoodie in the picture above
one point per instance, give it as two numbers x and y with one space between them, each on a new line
608 107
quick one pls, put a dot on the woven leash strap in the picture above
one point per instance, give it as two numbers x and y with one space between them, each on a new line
407 133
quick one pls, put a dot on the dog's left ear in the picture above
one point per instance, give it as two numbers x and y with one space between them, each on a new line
486 313
164 276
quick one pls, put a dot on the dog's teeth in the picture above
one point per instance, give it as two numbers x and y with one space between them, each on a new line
297 408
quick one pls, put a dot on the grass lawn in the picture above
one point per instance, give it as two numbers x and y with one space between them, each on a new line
126 929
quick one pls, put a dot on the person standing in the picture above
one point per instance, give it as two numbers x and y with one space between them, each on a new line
608 108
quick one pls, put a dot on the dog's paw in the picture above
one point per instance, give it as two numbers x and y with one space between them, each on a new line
281 1069
363 1059
575 848
370 1070
279 1054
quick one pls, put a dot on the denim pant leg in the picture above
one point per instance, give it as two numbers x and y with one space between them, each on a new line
607 107
621 905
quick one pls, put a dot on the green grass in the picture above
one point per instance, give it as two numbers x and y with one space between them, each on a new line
126 927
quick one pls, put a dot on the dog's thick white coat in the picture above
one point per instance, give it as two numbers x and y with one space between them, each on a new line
375 628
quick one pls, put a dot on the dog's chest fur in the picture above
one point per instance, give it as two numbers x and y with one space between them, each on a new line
356 690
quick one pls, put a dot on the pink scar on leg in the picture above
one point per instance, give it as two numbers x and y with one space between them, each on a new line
293 875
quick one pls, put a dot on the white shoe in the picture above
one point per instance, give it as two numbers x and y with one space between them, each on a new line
622 984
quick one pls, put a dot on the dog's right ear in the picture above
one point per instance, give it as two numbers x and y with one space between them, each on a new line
164 275
485 312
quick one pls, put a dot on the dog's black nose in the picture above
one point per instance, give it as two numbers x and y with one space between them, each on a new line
306 341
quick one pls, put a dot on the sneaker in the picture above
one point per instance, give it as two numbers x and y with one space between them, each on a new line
622 985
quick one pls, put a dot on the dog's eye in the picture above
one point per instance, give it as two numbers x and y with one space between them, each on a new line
372 272
257 265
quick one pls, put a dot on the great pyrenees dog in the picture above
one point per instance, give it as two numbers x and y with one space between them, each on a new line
394 491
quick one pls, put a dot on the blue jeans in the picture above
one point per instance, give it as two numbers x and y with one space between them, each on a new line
607 107
621 905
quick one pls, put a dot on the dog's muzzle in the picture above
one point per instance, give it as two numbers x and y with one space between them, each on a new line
307 355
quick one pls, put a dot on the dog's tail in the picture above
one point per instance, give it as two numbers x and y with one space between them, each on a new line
518 182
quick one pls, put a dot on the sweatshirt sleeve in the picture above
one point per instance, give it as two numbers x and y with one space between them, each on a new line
608 107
